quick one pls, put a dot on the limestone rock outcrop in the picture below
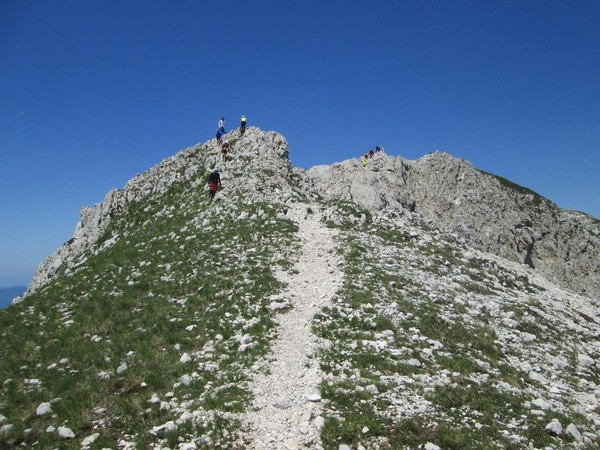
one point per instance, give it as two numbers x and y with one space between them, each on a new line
483 210
261 169
488 212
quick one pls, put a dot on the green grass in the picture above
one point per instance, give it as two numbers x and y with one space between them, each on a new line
132 303
455 344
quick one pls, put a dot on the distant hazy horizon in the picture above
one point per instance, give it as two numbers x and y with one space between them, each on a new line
7 294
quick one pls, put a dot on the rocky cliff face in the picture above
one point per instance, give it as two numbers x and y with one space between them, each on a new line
488 212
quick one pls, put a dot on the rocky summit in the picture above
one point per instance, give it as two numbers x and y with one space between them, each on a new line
392 304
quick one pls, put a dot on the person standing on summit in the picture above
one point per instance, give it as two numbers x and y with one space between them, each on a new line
222 125
243 124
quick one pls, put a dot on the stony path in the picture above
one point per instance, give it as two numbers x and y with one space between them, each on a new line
286 410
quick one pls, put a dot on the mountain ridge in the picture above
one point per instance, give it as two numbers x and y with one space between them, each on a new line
489 212
451 195
160 323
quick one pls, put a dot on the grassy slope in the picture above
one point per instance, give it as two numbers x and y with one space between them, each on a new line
181 273
415 353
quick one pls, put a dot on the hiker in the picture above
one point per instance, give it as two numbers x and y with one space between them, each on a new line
243 124
364 161
220 134
214 183
224 150
221 125
371 153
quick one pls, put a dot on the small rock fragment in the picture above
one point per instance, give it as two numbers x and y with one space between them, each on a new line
43 408
574 432
65 433
89 440
315 398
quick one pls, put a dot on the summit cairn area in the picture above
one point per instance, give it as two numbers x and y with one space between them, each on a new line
397 304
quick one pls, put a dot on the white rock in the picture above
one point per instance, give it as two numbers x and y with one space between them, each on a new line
186 379
43 408
319 422
542 404
51 429
162 430
65 433
154 399
122 368
5 429
165 406
372 389
188 446
574 432
185 358
291 444
344 447
535 376
484 365
89 440
186 417
430 446
414 362
283 403
585 360
591 436
555 428
315 398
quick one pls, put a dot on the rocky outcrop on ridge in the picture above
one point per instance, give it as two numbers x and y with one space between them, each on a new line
261 168
448 193
490 213
95 220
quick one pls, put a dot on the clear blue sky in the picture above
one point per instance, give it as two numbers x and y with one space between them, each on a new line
94 92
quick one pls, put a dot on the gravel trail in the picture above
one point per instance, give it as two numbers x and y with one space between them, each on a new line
286 410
